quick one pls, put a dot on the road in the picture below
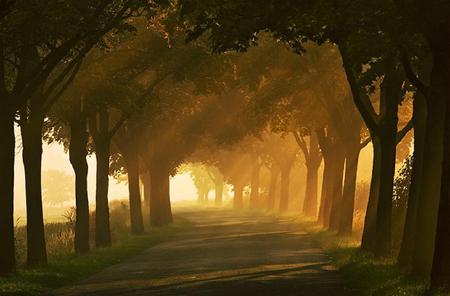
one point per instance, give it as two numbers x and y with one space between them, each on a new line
224 253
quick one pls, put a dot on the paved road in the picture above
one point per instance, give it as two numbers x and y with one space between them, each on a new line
224 254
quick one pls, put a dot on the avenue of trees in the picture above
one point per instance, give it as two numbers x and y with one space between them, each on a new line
292 93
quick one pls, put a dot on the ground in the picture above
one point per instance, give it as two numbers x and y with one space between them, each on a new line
225 253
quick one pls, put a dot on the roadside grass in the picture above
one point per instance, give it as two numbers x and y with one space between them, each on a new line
364 273
65 268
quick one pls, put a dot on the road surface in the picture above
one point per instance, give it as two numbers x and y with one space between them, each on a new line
223 254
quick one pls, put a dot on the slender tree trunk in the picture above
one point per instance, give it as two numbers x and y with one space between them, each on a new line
310 202
408 240
284 189
254 193
332 211
272 188
102 227
32 160
312 167
218 192
145 178
160 209
238 200
369 236
78 154
325 187
7 154
136 220
348 196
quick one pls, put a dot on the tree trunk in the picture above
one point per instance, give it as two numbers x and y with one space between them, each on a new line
440 84
238 200
369 236
102 227
78 154
332 211
254 193
348 196
145 179
284 189
7 154
272 189
218 192
32 160
132 163
408 241
160 209
312 167
325 187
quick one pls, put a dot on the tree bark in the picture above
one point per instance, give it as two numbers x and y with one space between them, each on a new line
254 193
102 226
440 274
325 187
284 189
274 173
136 220
238 200
348 196
392 87
77 155
332 211
160 209
218 192
369 236
409 238
7 155
32 160
312 167
145 178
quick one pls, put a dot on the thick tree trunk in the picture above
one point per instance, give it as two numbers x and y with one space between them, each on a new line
77 154
7 154
430 189
440 86
272 188
312 167
102 227
392 83
332 210
160 209
32 160
408 240
284 189
132 163
369 236
254 193
238 200
348 196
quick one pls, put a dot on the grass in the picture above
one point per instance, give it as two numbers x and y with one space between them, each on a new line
364 273
65 267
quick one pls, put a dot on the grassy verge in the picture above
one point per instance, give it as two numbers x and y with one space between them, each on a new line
65 270
364 273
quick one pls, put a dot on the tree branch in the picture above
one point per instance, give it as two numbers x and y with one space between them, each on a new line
362 101
402 133
412 77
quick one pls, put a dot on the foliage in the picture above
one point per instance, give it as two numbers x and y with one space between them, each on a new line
57 187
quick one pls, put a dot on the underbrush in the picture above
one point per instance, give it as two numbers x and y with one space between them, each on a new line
64 267
364 273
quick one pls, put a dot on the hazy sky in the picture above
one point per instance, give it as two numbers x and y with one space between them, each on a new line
54 158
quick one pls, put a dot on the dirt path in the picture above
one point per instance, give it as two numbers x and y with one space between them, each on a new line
224 254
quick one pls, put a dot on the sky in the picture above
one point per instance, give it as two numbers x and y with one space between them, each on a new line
54 158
